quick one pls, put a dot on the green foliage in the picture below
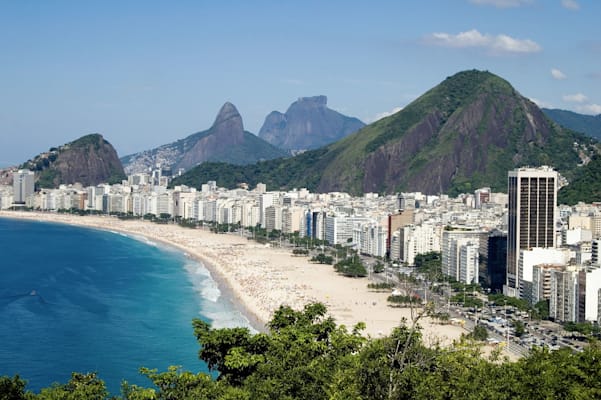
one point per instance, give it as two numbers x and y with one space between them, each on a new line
519 328
430 264
12 388
48 178
378 267
381 286
588 124
301 252
305 355
479 333
541 310
352 267
282 173
467 300
586 328
321 258
500 300
403 301
586 186
80 387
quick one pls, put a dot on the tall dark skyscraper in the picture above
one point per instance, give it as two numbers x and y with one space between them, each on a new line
532 216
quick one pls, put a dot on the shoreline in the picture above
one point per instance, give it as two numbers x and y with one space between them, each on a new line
258 279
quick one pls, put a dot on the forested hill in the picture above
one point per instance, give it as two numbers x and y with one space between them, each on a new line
586 187
588 124
89 160
465 133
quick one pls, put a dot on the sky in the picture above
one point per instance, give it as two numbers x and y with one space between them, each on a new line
146 73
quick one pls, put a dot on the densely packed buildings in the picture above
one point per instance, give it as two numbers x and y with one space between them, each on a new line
520 243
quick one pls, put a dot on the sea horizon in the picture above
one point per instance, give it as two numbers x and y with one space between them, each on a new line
78 299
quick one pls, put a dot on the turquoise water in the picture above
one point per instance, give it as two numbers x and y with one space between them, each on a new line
75 299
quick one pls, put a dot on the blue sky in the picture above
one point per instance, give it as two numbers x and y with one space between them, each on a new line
145 73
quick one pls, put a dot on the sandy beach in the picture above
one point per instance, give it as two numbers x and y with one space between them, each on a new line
261 278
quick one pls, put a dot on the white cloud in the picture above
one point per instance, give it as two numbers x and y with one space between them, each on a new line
473 38
386 114
593 109
557 74
570 4
575 98
501 3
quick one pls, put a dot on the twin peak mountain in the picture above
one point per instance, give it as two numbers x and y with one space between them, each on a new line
307 124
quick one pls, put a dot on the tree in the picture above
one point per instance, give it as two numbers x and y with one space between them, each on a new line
12 388
80 387
352 267
322 259
378 267
479 333
541 310
305 355
519 328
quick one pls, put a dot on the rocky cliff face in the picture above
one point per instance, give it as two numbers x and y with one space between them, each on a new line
227 132
226 140
89 160
307 124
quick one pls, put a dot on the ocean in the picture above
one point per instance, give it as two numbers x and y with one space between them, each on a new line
86 300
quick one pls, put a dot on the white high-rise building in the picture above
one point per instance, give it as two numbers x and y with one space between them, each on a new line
590 285
468 260
273 218
536 256
531 218
265 200
563 302
450 249
417 239
23 186
338 229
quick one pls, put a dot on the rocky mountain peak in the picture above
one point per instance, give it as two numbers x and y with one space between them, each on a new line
229 120
89 160
307 124
315 101
228 111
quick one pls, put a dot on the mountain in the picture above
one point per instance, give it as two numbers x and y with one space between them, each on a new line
307 124
226 140
465 133
89 160
588 124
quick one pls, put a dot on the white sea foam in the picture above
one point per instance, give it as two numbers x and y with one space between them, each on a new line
214 306
203 282
224 318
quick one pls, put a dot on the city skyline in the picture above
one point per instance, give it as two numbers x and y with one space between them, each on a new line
147 73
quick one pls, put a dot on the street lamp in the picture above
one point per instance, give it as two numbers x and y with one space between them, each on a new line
506 324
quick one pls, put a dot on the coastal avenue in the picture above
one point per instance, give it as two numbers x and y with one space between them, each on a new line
500 336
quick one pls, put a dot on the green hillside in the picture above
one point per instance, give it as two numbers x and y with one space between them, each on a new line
465 133
586 186
590 125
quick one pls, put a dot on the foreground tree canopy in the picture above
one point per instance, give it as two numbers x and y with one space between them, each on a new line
305 355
